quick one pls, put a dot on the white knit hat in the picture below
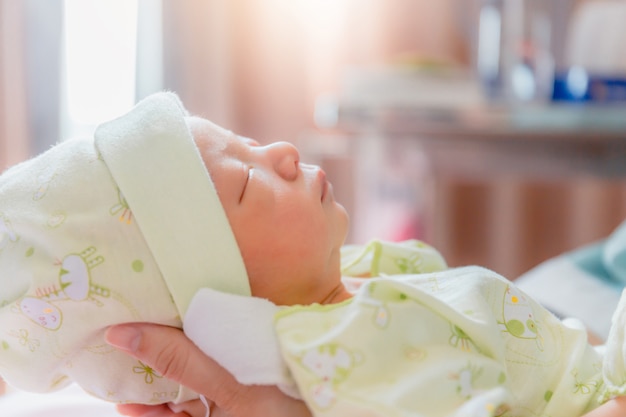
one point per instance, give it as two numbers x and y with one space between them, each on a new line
126 227
155 163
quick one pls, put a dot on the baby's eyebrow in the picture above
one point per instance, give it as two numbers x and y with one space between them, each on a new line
251 142
236 146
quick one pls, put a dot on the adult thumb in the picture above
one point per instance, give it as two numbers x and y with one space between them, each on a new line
168 351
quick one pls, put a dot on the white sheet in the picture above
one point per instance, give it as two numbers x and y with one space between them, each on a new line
69 402
569 291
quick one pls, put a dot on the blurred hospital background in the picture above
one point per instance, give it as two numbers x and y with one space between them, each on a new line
492 129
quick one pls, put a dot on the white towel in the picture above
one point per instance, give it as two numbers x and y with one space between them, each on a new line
238 332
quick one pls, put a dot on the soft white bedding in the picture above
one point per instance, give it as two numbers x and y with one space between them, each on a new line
69 402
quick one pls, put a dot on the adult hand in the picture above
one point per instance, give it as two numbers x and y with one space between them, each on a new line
170 352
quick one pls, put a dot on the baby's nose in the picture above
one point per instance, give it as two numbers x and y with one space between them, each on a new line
285 158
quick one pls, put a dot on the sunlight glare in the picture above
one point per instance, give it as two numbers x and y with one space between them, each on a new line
100 53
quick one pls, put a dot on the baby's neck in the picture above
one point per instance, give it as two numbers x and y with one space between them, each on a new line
337 295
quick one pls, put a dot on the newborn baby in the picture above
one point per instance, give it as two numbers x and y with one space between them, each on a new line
76 258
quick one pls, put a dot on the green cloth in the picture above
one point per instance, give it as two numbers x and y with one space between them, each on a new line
436 342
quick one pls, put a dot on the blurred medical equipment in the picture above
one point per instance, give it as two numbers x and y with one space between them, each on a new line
553 50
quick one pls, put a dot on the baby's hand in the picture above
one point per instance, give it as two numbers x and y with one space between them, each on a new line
2 386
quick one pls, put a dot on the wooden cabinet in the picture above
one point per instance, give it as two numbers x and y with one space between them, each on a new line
502 188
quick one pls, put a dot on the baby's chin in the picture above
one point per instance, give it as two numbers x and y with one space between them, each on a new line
344 220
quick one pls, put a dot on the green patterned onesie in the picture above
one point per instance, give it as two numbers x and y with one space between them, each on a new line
451 342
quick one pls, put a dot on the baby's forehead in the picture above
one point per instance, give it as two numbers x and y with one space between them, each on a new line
218 147
206 136
216 138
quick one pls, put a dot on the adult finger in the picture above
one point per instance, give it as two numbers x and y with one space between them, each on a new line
141 410
194 408
172 354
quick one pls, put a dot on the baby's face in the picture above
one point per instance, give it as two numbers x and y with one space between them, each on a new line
284 216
